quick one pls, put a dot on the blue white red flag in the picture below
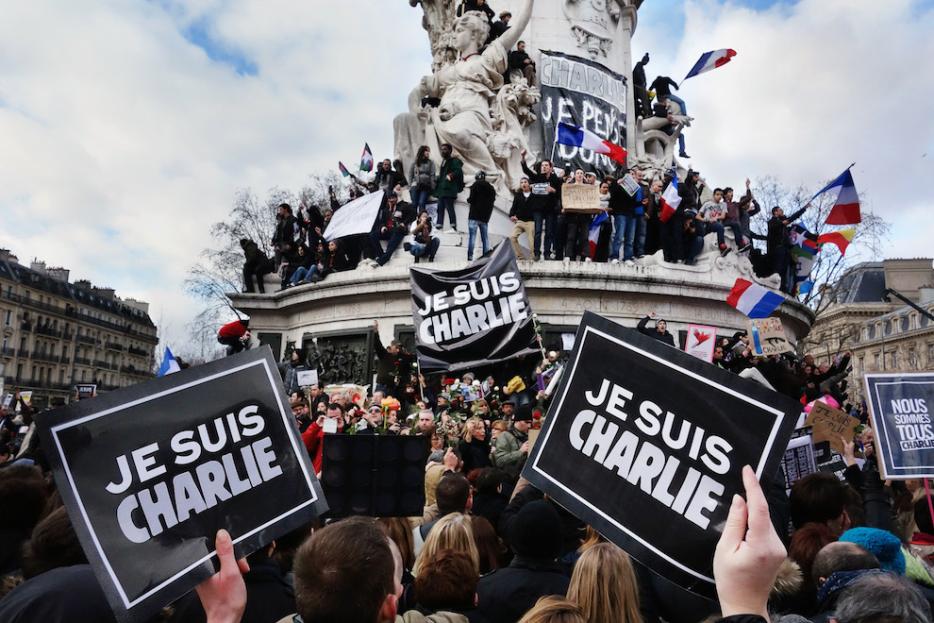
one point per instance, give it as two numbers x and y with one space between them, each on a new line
574 136
670 201
845 210
711 60
169 364
593 236
754 300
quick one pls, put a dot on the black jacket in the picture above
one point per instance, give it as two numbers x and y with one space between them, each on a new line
622 202
472 5
550 201
507 594
517 59
778 234
665 337
475 454
481 199
523 208
661 86
285 231
497 29
61 595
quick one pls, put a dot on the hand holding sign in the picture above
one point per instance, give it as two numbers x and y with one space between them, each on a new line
223 595
748 554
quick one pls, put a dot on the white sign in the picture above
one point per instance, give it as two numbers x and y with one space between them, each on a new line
307 378
629 184
700 341
356 217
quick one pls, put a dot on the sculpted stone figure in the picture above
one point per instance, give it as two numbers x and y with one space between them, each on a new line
593 23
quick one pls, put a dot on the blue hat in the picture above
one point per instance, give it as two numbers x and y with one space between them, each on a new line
882 544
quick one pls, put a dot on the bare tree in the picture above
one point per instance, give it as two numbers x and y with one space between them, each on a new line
829 264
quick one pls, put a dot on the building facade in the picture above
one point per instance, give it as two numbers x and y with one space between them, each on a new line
884 334
56 334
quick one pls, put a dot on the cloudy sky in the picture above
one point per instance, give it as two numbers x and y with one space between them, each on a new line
126 127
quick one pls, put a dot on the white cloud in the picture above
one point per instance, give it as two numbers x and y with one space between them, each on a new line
816 85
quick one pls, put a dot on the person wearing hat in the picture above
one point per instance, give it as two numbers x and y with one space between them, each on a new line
504 595
511 448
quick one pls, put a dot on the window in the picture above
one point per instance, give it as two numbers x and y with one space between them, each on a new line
871 332
906 323
8 318
875 361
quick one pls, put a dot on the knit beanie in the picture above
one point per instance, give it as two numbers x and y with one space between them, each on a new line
536 531
882 544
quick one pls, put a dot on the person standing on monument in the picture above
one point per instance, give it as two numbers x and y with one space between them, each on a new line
450 183
476 5
481 201
523 215
423 180
639 88
501 25
546 187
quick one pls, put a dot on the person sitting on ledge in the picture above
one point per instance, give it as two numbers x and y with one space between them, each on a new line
424 244
392 224
660 332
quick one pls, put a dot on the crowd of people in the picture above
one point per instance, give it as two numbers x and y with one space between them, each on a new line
490 547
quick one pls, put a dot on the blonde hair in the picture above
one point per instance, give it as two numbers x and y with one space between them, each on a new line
453 531
499 425
554 609
604 585
470 426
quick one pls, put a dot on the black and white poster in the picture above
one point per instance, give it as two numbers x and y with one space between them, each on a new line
151 472
473 316
900 406
586 94
647 444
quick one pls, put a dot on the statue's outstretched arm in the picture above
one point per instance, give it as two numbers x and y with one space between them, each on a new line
511 36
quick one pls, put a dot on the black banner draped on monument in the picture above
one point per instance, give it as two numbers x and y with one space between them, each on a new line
471 317
585 94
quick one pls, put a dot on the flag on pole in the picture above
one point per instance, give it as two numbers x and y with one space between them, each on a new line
754 300
845 210
670 201
343 169
169 364
593 236
366 159
842 238
802 252
574 136
711 60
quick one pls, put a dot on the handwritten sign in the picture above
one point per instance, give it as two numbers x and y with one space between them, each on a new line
829 424
768 337
580 198
307 378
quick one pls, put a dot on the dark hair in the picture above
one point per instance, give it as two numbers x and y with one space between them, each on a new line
489 547
841 556
22 498
448 145
817 497
775 208
489 479
923 516
420 154
344 572
718 190
336 405
287 207
448 581
518 43
728 189
53 544
452 494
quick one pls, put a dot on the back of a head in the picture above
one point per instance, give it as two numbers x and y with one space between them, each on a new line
841 556
452 494
882 598
489 480
22 498
806 542
344 572
53 544
447 581
604 585
536 531
923 516
554 609
817 497
453 531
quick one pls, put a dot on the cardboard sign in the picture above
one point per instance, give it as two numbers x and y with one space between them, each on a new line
86 390
798 460
580 198
472 316
901 407
149 473
701 341
647 444
307 378
629 184
829 424
767 337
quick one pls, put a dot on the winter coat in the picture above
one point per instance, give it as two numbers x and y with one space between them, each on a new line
481 199
665 337
446 187
549 201
269 597
423 175
475 454
506 454
523 207
56 596
507 594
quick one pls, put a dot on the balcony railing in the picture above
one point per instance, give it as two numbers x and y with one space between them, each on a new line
100 363
23 353
51 358
87 339
115 346
7 352
43 330
82 361
139 352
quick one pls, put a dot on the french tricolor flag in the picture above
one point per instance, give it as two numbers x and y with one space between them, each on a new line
670 201
574 136
711 60
754 300
845 209
593 236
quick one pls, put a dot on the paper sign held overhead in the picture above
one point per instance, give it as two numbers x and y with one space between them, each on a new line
831 425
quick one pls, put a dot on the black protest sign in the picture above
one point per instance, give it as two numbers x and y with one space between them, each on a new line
473 316
150 473
586 94
900 406
647 444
